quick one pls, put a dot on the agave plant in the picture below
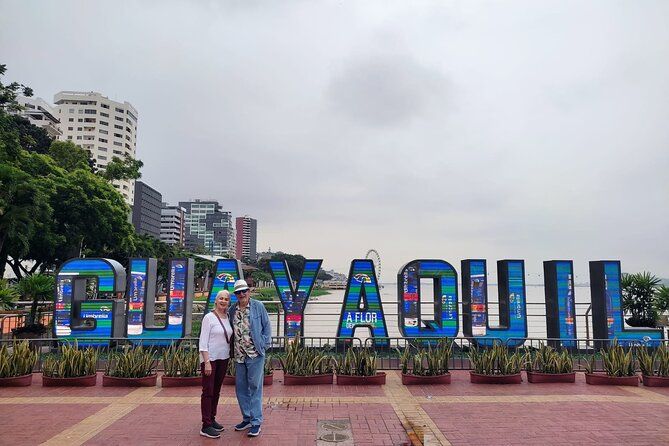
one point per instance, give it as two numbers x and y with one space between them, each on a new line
495 361
8 295
655 364
427 361
232 368
181 361
268 368
300 360
549 360
357 362
71 362
18 360
617 361
132 363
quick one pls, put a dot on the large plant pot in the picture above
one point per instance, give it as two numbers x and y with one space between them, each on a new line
352 380
495 379
296 380
600 379
17 381
115 381
229 380
180 381
656 381
537 377
412 380
76 381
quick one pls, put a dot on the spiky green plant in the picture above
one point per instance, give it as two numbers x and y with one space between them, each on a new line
618 362
496 360
71 362
357 362
655 364
18 360
181 361
300 360
549 360
427 361
8 295
268 368
132 363
232 367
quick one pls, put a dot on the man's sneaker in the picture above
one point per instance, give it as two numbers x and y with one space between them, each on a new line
210 432
243 426
254 431
217 426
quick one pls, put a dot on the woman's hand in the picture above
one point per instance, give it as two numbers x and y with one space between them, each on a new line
207 368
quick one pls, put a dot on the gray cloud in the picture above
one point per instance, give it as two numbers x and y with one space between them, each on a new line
454 130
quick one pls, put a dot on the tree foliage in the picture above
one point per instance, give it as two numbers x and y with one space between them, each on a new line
126 168
295 263
639 292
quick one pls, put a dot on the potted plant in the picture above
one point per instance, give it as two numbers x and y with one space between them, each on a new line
495 365
358 367
619 367
16 364
303 365
654 367
428 365
268 379
548 365
34 288
70 367
133 367
182 367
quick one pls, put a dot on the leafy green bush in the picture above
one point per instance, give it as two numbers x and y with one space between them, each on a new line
495 361
132 363
655 364
8 295
549 360
71 362
357 362
17 361
304 361
181 361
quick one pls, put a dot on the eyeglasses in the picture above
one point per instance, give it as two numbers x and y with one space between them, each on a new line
242 291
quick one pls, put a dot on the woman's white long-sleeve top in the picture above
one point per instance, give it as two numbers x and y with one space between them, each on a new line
212 337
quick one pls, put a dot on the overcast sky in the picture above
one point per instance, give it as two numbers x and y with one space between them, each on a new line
535 130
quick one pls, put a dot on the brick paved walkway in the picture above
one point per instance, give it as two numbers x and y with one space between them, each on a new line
462 413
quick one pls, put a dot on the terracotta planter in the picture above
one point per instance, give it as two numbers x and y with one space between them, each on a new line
656 381
495 379
351 380
600 379
537 377
180 381
77 381
229 380
409 380
295 380
115 381
17 381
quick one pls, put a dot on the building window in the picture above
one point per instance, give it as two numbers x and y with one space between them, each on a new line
102 149
89 111
81 112
104 105
71 119
118 118
79 129
78 137
70 128
69 137
116 143
118 152
104 123
106 115
102 157
119 110
80 120
102 140
104 132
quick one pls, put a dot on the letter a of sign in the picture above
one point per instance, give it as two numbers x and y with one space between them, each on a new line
362 303
294 300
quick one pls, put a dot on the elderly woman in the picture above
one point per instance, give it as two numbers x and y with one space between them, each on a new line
215 339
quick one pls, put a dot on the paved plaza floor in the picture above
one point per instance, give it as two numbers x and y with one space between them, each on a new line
458 414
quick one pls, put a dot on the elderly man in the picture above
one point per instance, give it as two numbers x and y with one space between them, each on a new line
253 334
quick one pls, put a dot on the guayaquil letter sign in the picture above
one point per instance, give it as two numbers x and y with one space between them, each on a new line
94 322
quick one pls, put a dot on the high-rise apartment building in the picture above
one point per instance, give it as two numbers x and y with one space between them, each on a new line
41 114
146 210
209 227
173 225
247 238
104 127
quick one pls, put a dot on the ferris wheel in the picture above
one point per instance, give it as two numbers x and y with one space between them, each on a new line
374 256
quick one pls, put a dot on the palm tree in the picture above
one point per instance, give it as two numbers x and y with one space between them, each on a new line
8 295
638 292
35 288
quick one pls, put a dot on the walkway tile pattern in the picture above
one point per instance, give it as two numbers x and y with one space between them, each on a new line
458 414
